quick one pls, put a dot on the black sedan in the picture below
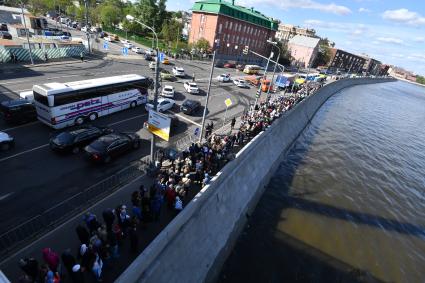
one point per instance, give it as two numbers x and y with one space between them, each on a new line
107 147
190 106
74 140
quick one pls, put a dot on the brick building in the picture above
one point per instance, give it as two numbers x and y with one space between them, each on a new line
344 61
234 26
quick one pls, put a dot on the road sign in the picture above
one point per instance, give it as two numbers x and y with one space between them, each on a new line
105 45
161 57
159 124
124 51
228 102
196 132
245 50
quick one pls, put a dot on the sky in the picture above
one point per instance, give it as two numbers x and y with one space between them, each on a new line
391 31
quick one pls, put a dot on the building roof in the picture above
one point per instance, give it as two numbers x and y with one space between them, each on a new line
235 11
306 41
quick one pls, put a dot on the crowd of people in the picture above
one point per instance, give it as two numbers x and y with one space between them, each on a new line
178 177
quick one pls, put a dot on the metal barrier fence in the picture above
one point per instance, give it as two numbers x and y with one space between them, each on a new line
35 227
38 225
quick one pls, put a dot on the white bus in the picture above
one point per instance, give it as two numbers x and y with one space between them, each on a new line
61 105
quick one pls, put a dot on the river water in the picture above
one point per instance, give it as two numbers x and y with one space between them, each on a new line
348 202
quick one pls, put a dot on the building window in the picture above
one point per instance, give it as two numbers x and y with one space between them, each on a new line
237 39
226 24
240 27
220 28
236 27
228 37
230 26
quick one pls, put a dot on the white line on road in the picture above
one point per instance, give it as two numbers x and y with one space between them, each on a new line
5 196
21 126
31 79
23 152
128 119
184 118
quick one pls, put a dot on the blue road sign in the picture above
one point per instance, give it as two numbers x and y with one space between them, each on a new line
105 45
196 133
161 57
124 51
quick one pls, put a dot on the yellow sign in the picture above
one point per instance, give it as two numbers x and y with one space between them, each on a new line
228 102
159 125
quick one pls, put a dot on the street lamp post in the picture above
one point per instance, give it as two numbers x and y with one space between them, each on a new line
264 76
208 90
274 70
86 5
155 100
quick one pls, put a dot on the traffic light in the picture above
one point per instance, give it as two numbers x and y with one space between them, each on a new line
245 50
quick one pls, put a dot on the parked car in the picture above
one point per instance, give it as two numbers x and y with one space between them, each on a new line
150 52
112 145
129 45
74 140
168 91
67 33
148 57
103 34
84 29
165 61
137 50
5 35
219 64
190 106
191 87
178 72
18 111
6 141
240 83
166 75
223 78
152 65
3 27
229 65
96 29
240 67
164 104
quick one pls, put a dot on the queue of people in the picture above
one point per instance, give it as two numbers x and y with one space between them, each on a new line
178 178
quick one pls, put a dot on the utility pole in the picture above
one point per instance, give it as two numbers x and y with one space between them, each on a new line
257 96
208 92
274 71
27 33
87 23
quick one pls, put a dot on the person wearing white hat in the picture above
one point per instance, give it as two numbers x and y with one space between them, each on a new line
77 274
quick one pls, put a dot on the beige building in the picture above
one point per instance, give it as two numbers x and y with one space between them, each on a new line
286 31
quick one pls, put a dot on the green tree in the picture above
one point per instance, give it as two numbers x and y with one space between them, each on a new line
171 30
324 53
110 15
285 54
420 79
203 45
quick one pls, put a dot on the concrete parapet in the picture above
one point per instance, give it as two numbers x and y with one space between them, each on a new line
193 247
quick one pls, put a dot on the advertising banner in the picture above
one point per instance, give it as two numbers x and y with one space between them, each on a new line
159 124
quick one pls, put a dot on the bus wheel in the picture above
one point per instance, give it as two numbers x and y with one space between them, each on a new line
93 116
133 104
79 121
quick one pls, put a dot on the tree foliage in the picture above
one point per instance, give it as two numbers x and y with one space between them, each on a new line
420 79
171 30
203 45
110 14
324 54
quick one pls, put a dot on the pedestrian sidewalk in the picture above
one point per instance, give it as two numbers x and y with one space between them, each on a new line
64 236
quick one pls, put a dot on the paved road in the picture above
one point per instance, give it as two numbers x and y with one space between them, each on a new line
33 178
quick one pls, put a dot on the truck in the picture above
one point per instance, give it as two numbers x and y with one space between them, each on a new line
284 80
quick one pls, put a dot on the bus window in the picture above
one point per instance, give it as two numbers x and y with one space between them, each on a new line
41 98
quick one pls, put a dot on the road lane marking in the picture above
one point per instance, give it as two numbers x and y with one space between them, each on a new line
184 118
5 196
21 126
128 119
24 152
50 78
